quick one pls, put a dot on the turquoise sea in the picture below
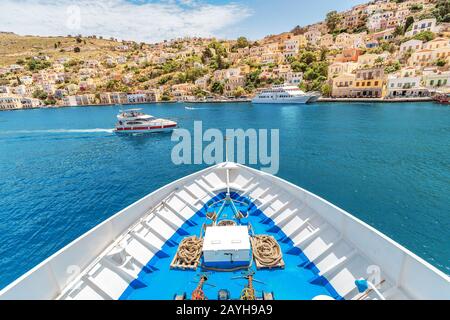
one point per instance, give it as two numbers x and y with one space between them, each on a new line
63 171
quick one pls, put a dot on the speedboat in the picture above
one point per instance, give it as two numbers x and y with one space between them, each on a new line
135 121
250 235
285 94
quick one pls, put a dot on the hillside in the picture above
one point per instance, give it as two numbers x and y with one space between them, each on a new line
400 37
14 48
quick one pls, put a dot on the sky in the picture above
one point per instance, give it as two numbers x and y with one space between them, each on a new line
156 20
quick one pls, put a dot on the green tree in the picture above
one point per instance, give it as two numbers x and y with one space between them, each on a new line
408 23
40 94
379 61
298 66
332 20
393 67
36 65
207 55
425 36
165 96
441 11
239 92
113 85
218 87
323 54
252 80
310 75
441 62
50 102
242 42
308 57
326 90
399 31
163 80
142 79
416 7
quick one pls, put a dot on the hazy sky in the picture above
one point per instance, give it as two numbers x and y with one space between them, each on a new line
156 20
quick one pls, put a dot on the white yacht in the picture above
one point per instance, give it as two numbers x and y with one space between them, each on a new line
221 219
285 94
134 121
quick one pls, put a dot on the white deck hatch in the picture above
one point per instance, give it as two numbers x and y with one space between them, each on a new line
226 247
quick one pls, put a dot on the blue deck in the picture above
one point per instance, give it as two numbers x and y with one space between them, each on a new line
297 281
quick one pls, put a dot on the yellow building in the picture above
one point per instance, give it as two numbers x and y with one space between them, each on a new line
343 85
339 68
427 57
369 83
437 43
326 41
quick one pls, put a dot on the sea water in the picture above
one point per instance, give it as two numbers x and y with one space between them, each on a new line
63 171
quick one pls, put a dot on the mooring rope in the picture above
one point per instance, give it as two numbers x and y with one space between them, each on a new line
266 250
190 250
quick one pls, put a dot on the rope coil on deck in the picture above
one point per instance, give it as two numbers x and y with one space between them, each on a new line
188 254
226 223
267 252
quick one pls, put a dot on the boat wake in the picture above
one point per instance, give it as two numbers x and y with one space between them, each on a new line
198 108
60 131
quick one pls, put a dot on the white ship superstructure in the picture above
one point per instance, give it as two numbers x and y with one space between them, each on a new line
285 94
135 121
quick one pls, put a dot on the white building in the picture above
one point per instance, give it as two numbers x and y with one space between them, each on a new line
70 101
10 102
29 103
313 36
294 78
423 25
338 68
23 90
402 87
291 48
15 67
202 82
5 89
137 98
79 100
411 45
374 21
27 80
439 81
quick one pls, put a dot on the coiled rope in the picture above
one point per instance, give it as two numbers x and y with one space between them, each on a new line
266 251
189 251
226 223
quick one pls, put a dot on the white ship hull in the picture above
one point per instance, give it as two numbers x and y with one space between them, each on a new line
133 121
293 100
344 249
146 129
